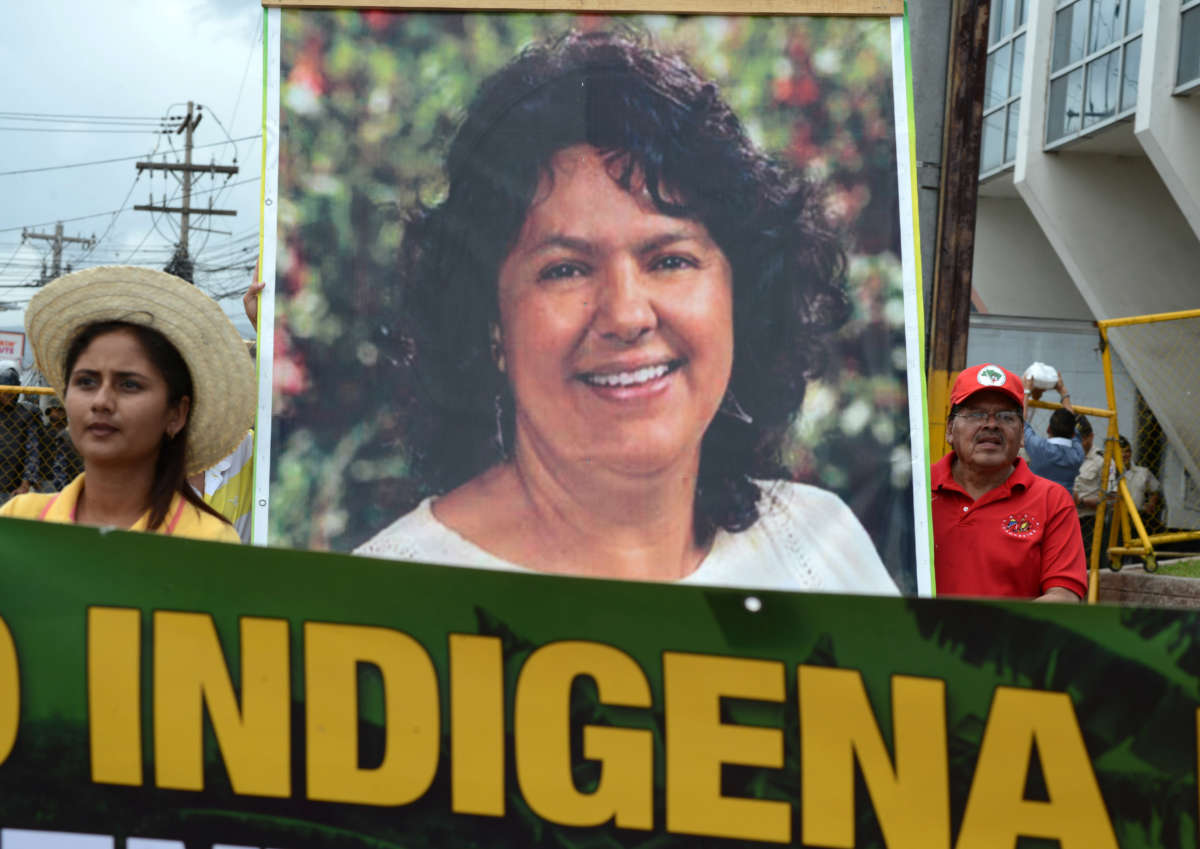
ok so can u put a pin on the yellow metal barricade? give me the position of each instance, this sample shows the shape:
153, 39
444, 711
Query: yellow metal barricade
1168, 348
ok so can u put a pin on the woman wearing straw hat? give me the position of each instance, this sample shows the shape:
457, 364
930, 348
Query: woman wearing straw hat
157, 386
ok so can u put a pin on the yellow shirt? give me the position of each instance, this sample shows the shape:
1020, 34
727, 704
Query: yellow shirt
229, 486
183, 519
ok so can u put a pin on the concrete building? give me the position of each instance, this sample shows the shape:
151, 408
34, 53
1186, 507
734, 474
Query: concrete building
1089, 206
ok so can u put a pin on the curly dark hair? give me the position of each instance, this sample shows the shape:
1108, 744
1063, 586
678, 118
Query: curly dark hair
659, 123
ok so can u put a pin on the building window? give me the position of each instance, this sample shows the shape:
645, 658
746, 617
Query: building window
1002, 85
1094, 65
1188, 76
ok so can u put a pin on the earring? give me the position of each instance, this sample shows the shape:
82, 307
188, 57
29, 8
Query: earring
497, 348
499, 436
731, 408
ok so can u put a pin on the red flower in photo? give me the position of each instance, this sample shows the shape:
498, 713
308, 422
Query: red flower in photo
309, 72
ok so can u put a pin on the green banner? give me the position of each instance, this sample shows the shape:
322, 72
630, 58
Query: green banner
216, 695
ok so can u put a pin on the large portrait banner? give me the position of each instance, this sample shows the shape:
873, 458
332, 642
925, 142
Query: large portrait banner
631, 296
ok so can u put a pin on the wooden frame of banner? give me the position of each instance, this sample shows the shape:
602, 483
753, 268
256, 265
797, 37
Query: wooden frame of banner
693, 7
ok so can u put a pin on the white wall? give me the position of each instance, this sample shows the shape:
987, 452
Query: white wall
1116, 229
1168, 127
1016, 271
1072, 347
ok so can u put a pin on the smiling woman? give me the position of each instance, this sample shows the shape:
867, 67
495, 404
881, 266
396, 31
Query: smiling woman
609, 321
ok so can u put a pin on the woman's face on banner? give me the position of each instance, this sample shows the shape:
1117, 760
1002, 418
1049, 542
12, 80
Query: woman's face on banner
616, 322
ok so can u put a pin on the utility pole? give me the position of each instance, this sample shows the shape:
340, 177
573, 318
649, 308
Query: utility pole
56, 240
181, 264
955, 241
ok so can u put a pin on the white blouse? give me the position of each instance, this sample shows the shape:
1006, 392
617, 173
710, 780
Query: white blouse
805, 539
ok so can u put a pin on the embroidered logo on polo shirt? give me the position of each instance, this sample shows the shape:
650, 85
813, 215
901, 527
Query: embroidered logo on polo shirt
1022, 526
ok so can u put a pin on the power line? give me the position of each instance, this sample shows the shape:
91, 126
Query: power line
140, 122
64, 130
116, 159
111, 211
116, 215
228, 254
220, 188
64, 220
71, 115
11, 258
254, 44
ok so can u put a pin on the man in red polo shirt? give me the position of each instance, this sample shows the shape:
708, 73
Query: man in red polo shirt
999, 529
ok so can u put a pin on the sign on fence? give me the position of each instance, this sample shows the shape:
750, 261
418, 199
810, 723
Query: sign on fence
165, 690
12, 345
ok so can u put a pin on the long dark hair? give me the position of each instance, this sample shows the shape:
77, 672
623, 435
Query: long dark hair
658, 122
170, 470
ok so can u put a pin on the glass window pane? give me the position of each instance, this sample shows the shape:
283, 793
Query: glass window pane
992, 146
996, 85
1137, 11
1000, 21
1102, 78
1018, 64
1189, 46
1022, 8
1106, 17
1010, 137
1066, 103
1070, 32
1129, 79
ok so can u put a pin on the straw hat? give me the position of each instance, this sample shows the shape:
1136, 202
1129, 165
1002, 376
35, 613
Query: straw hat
223, 380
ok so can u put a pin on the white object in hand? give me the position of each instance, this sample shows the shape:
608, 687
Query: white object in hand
1042, 375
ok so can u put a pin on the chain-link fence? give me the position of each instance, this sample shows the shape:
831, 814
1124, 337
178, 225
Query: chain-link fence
1153, 462
36, 453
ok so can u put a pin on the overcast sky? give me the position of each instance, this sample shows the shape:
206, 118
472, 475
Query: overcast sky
125, 64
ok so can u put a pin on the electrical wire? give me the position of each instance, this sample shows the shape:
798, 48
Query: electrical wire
113, 220
226, 265
11, 258
99, 122
142, 242
101, 214
72, 115
57, 220
255, 44
64, 130
117, 159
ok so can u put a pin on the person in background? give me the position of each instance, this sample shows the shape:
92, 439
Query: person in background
60, 461
1144, 488
228, 485
1057, 455
1087, 487
20, 442
999, 529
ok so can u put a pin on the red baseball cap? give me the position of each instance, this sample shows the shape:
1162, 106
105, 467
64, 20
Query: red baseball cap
987, 376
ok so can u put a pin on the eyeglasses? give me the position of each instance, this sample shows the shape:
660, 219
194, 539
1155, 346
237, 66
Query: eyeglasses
1007, 418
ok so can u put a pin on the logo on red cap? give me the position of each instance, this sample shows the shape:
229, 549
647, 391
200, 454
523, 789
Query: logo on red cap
990, 375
